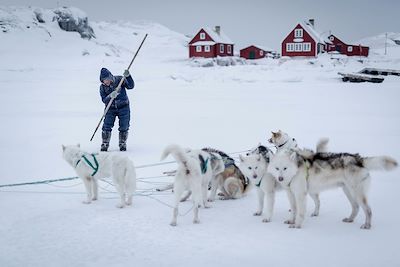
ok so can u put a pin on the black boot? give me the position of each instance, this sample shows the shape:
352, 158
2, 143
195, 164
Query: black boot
106, 140
122, 140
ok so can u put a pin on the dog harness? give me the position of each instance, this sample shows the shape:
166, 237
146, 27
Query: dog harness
203, 164
95, 167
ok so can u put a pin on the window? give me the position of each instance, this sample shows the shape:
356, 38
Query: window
289, 47
207, 48
198, 48
202, 36
261, 53
332, 38
221, 48
298, 47
229, 48
306, 47
298, 33
349, 49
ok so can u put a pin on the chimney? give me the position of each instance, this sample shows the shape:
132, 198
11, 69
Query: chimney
218, 29
311, 21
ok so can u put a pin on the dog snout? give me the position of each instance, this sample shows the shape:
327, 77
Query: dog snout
280, 178
254, 176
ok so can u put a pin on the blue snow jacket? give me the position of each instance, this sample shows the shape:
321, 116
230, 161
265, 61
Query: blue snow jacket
122, 99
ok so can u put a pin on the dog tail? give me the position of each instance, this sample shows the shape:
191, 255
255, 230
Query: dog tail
233, 187
380, 163
177, 152
322, 145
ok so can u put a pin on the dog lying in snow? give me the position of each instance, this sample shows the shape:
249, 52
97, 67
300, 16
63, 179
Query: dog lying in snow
303, 171
91, 167
231, 182
195, 170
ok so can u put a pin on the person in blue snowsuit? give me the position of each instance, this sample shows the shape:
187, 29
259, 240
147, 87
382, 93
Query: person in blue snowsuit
119, 107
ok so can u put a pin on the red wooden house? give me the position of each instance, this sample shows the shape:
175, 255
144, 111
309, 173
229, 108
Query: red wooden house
210, 43
346, 49
255, 52
304, 41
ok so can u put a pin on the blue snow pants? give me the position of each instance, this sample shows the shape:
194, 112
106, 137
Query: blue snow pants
123, 114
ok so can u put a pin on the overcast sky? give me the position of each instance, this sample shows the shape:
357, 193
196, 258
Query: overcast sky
262, 22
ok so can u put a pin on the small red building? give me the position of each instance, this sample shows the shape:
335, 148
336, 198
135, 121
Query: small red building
304, 41
255, 52
346, 49
210, 43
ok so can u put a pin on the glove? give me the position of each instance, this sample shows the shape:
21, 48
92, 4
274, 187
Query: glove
126, 73
113, 94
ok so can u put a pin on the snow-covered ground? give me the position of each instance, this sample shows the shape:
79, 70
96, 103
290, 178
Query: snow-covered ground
49, 82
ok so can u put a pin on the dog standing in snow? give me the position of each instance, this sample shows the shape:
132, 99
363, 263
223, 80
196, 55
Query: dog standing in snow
304, 171
91, 167
254, 167
195, 170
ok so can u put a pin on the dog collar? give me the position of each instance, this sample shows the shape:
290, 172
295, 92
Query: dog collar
281, 145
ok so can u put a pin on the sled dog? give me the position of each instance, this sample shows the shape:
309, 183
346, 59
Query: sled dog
282, 140
304, 171
254, 166
195, 170
231, 182
92, 167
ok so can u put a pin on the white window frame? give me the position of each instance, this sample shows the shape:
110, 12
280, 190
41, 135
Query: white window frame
298, 33
206, 48
306, 47
202, 36
290, 47
350, 49
229, 49
298, 47
261, 53
221, 48
198, 48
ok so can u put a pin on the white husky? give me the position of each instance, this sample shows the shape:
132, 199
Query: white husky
304, 171
195, 170
91, 167
254, 167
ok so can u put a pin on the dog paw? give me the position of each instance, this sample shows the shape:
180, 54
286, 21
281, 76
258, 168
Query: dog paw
86, 202
210, 200
347, 220
129, 203
221, 194
289, 222
207, 206
295, 226
314, 214
366, 226
265, 220
94, 198
257, 213
173, 224
120, 206
196, 221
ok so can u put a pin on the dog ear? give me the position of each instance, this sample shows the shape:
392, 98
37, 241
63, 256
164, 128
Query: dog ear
241, 158
63, 147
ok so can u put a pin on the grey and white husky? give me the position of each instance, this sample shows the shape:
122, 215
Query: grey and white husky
303, 171
231, 183
91, 167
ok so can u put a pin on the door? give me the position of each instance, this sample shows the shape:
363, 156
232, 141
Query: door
252, 54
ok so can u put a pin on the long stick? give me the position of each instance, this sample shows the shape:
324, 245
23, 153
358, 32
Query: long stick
118, 88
